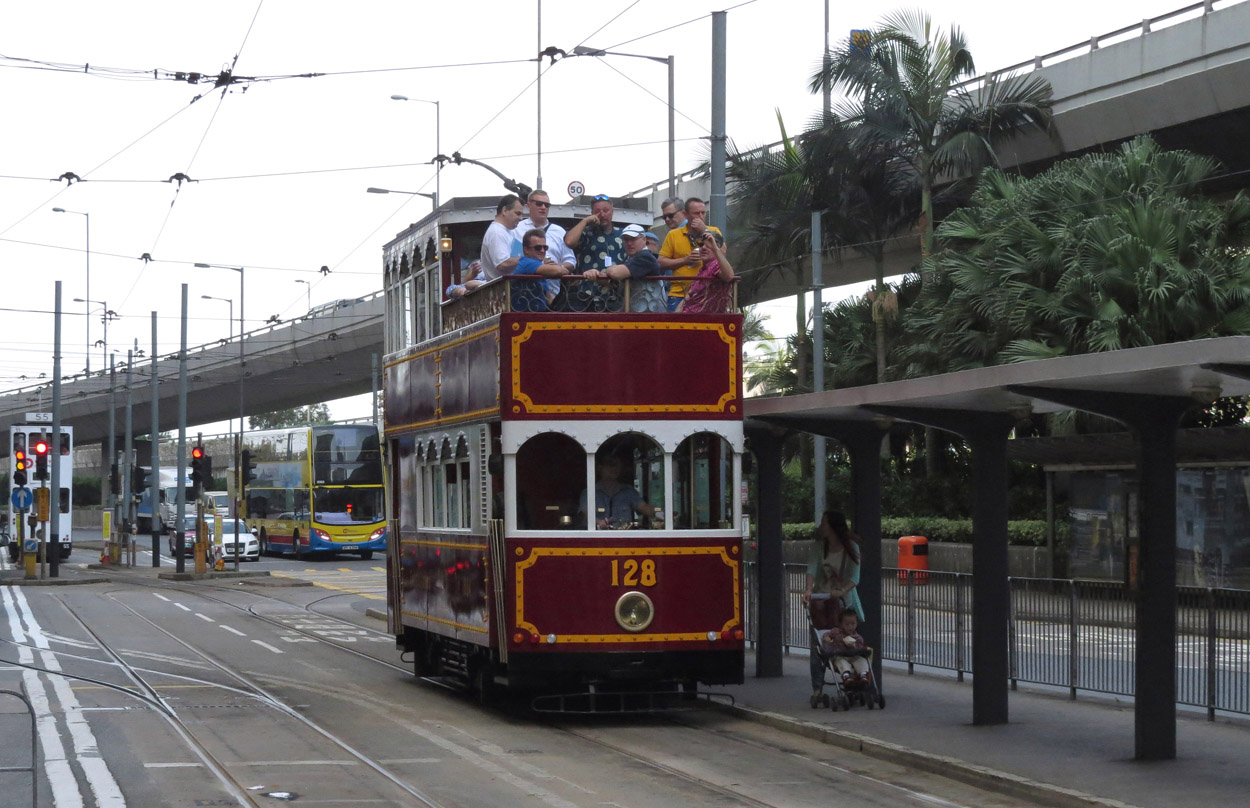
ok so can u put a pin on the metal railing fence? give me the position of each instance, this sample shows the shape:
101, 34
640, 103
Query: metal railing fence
1075, 634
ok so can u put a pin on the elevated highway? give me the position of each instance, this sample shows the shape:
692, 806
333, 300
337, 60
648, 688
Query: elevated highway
311, 359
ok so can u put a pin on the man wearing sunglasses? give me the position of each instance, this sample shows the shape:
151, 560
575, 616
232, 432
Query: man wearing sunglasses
540, 209
595, 240
682, 253
673, 213
536, 260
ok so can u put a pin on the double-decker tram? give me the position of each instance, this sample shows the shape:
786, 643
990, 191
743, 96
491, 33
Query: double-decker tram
316, 489
30, 446
564, 515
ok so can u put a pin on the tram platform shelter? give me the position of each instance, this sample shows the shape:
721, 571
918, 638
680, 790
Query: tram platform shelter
1147, 389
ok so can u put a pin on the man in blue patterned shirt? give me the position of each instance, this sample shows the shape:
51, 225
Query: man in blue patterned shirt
596, 242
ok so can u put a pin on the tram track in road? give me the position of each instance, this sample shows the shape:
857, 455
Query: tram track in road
901, 794
149, 693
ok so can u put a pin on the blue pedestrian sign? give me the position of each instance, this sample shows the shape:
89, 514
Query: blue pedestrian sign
21, 499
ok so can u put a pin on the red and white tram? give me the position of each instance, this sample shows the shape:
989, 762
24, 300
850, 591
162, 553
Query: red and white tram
501, 569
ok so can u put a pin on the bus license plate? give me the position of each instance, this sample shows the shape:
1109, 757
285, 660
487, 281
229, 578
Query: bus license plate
350, 547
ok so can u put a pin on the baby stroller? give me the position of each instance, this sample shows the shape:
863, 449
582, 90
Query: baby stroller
855, 690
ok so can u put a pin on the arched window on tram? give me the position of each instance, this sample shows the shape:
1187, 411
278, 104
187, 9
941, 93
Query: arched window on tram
456, 472
550, 474
703, 483
629, 484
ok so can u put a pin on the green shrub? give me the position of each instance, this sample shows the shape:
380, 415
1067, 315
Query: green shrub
1020, 532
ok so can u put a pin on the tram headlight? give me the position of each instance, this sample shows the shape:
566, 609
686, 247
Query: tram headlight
634, 611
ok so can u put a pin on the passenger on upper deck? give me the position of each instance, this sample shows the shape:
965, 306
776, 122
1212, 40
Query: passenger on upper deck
671, 210
616, 502
497, 258
595, 239
639, 263
653, 241
540, 209
678, 255
710, 292
536, 260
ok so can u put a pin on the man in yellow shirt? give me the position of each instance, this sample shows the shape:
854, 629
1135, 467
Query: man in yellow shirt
680, 253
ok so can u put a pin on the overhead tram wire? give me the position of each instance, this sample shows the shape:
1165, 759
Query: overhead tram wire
675, 27
663, 101
108, 160
606, 24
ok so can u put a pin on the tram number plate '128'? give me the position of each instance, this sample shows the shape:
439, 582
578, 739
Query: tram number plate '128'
633, 572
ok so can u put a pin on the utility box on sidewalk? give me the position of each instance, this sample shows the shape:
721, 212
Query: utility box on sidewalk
913, 560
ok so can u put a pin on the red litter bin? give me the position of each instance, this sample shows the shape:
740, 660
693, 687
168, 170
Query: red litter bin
913, 560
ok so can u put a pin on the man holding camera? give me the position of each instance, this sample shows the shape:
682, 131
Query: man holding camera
682, 252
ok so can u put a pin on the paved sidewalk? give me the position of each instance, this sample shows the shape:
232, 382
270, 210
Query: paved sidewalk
1053, 750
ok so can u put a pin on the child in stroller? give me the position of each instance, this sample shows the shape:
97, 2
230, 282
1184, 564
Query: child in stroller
843, 651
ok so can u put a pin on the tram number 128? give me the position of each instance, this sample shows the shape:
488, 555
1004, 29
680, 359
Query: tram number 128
633, 572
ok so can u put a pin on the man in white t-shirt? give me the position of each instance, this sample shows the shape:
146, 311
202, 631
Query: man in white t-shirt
557, 250
497, 257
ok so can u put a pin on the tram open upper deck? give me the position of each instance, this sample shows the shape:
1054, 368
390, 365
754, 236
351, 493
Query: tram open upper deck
498, 424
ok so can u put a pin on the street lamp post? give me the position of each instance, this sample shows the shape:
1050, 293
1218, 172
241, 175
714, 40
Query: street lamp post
238, 514
432, 197
582, 50
308, 288
106, 317
438, 148
87, 217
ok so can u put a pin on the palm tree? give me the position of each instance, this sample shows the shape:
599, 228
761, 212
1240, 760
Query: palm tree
1100, 252
905, 89
864, 193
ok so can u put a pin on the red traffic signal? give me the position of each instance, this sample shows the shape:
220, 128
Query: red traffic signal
41, 459
197, 452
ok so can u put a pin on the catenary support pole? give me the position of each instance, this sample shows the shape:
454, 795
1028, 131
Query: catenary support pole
154, 437
769, 568
718, 213
128, 462
53, 537
180, 502
110, 460
819, 454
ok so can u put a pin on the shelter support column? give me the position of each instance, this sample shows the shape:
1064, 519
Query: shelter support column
765, 443
1153, 421
986, 434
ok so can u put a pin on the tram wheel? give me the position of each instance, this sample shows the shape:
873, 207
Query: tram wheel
484, 685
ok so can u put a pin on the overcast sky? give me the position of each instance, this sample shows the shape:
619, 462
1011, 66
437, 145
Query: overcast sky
279, 167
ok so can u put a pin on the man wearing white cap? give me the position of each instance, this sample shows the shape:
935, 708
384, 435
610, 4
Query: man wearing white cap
639, 263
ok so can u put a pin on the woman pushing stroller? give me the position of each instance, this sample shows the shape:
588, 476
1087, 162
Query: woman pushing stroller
832, 576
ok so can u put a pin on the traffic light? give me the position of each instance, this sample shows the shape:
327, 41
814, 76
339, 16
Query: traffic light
206, 471
20, 463
115, 480
197, 467
138, 480
249, 467
41, 459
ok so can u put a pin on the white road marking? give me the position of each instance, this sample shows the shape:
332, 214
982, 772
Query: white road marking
69, 642
105, 792
295, 763
268, 646
232, 630
180, 606
171, 765
205, 617
398, 761
190, 663
162, 597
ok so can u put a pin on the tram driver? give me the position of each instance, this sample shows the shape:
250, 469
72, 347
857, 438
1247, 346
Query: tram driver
616, 501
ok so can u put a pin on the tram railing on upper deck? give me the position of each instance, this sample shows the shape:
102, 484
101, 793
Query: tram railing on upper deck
579, 295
